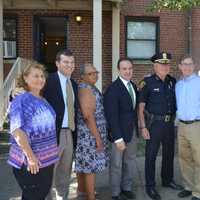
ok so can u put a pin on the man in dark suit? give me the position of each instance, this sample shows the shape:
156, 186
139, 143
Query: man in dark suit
120, 109
61, 93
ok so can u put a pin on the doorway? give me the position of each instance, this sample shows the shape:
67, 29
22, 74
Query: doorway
50, 36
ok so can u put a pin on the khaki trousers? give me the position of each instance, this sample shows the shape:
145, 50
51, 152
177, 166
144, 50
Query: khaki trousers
62, 169
189, 156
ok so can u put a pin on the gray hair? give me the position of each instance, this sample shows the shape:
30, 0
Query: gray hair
84, 66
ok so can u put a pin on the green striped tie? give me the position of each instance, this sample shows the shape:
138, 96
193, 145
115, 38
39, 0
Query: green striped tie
130, 90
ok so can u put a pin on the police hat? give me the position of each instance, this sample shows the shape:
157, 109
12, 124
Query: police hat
163, 58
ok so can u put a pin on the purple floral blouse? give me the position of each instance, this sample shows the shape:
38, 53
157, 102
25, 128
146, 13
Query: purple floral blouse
36, 118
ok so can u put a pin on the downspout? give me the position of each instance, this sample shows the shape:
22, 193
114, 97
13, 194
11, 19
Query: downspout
189, 26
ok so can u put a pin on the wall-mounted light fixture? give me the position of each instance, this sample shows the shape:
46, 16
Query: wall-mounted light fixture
78, 19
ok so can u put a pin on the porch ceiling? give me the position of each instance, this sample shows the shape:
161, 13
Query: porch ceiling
56, 4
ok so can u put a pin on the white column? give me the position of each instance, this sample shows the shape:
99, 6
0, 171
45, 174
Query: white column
115, 39
97, 39
1, 62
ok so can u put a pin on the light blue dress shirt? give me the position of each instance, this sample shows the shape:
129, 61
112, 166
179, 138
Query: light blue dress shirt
188, 98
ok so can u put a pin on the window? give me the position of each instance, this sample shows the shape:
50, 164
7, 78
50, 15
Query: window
141, 37
9, 37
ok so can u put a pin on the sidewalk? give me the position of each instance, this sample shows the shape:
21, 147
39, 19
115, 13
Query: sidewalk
9, 190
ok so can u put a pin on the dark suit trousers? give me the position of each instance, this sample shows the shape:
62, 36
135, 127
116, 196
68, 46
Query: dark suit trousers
160, 132
34, 187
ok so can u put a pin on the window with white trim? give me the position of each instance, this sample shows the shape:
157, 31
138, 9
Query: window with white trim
142, 39
9, 37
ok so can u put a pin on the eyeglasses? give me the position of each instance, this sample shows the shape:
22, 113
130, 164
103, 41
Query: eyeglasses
187, 64
92, 73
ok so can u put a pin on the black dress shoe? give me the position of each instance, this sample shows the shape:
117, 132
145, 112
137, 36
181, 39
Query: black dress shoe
153, 194
128, 194
173, 186
116, 198
195, 198
184, 193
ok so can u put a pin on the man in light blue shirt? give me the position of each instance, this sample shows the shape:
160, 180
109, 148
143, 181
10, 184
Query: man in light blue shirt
188, 113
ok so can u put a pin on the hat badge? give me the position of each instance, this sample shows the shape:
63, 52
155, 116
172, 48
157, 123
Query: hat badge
164, 56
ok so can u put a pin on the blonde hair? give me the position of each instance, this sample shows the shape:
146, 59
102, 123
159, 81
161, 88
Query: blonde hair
32, 65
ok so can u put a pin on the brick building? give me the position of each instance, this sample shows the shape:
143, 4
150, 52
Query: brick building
108, 29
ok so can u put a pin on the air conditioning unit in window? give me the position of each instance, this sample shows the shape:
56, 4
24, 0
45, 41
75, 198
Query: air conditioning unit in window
9, 49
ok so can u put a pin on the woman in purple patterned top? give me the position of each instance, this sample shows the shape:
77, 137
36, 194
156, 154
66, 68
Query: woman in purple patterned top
33, 150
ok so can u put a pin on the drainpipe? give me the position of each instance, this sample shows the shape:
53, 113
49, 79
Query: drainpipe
189, 26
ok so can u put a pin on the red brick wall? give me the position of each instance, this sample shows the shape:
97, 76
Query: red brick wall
6, 69
79, 37
196, 36
173, 35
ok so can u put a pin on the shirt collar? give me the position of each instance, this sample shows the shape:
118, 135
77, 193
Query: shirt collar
125, 82
159, 79
62, 76
189, 77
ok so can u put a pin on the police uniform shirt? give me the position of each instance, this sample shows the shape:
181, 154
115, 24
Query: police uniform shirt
158, 95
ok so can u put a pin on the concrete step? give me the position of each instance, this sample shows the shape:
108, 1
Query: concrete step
4, 142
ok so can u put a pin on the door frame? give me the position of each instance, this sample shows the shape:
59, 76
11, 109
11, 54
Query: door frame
36, 20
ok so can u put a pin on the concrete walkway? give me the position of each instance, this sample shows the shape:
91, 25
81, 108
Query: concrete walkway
9, 189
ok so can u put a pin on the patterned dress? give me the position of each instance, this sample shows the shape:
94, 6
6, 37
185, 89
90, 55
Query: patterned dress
87, 159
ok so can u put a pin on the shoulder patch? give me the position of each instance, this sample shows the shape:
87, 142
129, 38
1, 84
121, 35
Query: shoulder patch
142, 84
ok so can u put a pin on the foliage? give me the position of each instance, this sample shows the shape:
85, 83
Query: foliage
158, 5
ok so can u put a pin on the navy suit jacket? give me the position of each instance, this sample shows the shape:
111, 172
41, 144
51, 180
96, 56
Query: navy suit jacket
53, 94
120, 115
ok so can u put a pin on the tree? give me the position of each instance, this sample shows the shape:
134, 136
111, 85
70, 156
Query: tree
180, 5
173, 4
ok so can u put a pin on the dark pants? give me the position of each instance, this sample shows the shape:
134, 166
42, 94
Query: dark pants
34, 187
164, 133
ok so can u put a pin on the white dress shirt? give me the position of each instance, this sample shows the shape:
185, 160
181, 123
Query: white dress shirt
63, 81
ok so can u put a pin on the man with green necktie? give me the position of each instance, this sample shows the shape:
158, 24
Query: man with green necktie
121, 113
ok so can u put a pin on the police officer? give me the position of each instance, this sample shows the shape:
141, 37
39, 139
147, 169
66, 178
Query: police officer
157, 100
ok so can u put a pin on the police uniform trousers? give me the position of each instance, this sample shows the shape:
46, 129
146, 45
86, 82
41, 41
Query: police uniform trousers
121, 167
161, 132
189, 156
34, 186
62, 169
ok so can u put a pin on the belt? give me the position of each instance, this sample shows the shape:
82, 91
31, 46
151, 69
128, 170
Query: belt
65, 128
165, 118
189, 121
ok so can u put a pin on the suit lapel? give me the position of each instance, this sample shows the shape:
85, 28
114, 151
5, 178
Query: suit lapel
58, 87
125, 91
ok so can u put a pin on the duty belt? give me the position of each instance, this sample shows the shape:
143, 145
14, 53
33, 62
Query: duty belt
165, 118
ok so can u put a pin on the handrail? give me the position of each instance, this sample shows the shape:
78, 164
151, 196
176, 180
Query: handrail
10, 82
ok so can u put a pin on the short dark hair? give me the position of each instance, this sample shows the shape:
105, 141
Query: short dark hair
123, 59
185, 57
65, 52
